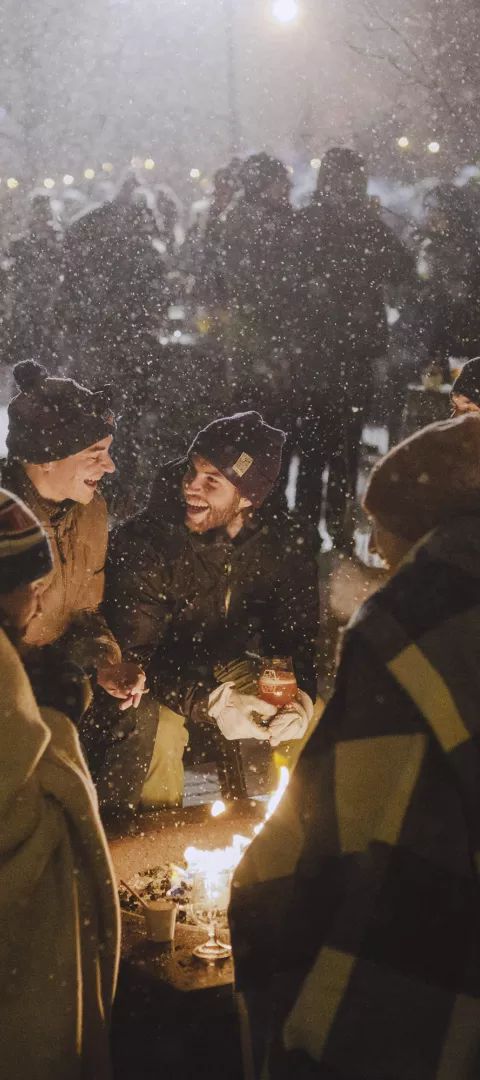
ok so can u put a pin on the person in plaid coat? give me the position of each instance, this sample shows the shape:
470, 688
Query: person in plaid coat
355, 914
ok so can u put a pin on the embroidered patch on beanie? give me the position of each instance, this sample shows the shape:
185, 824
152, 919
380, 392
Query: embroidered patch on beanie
243, 464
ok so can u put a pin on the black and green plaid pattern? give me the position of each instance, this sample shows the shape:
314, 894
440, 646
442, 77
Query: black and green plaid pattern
356, 912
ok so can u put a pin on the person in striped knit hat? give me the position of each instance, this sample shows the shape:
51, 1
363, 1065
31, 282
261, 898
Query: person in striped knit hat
58, 906
25, 558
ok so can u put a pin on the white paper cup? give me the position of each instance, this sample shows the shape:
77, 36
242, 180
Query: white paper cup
160, 917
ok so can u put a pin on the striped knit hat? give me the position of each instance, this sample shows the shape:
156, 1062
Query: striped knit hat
25, 552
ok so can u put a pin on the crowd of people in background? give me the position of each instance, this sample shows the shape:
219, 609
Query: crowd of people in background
290, 308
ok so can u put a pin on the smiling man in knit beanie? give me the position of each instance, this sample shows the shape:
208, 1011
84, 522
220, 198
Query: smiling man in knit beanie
208, 575
59, 439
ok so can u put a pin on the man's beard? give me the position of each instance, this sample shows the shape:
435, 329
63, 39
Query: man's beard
214, 518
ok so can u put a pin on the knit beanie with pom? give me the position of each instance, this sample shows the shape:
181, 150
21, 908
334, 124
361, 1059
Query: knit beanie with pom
51, 418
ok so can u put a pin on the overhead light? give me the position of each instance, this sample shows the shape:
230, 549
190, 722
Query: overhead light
12, 183
49, 183
107, 166
89, 174
285, 11
195, 174
68, 179
403, 142
149, 163
434, 147
315, 162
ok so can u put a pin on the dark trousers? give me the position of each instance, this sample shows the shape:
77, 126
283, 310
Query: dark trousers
118, 747
328, 434
328, 439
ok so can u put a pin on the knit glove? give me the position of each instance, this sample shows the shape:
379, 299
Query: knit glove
235, 713
291, 722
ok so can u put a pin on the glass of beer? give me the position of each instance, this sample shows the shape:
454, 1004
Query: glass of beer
277, 683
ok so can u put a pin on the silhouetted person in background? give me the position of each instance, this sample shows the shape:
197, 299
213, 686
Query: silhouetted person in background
348, 256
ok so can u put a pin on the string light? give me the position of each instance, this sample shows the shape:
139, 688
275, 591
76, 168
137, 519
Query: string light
68, 179
89, 174
434, 147
149, 163
195, 174
49, 183
403, 142
12, 183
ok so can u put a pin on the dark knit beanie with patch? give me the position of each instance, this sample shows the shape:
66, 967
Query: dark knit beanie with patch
52, 418
25, 554
246, 450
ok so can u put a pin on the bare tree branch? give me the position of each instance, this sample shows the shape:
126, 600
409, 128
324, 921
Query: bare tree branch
422, 76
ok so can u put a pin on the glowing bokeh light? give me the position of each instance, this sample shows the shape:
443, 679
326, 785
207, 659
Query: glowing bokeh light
68, 179
12, 183
149, 163
107, 166
285, 11
49, 183
315, 162
195, 174
89, 174
434, 147
403, 142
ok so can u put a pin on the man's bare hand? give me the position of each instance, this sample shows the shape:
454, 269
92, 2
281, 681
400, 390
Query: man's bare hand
125, 681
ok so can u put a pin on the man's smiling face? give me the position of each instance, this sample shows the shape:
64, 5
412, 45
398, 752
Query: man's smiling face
211, 500
75, 477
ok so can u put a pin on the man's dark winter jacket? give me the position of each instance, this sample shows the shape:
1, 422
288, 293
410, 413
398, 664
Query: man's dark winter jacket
185, 603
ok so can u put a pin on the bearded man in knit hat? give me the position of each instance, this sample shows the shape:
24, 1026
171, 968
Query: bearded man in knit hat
204, 578
59, 439
59, 924
355, 914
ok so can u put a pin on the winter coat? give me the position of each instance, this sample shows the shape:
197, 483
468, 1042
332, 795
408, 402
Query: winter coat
348, 257
355, 914
59, 925
185, 603
449, 304
73, 591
